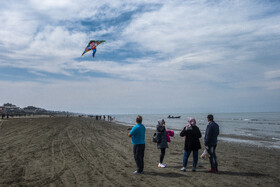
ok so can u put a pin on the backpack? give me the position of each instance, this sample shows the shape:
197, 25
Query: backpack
157, 137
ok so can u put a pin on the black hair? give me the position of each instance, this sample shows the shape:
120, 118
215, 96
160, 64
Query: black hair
210, 117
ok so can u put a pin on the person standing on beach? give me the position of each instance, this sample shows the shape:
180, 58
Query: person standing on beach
162, 145
137, 135
210, 142
192, 144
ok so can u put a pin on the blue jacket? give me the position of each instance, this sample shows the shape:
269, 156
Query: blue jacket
211, 134
138, 134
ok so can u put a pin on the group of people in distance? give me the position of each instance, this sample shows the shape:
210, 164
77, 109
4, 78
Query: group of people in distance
192, 144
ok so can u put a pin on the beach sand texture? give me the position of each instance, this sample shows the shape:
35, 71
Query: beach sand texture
60, 151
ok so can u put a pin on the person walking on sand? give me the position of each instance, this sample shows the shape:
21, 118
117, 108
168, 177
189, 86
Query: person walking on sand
192, 144
210, 142
162, 145
137, 135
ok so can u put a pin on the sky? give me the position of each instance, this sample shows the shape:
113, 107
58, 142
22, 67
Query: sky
159, 56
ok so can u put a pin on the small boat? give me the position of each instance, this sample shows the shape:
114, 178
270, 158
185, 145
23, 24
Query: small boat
174, 117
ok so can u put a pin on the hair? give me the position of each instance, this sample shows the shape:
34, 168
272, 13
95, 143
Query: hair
210, 117
139, 119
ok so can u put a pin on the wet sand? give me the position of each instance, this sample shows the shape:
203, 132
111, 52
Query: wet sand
60, 151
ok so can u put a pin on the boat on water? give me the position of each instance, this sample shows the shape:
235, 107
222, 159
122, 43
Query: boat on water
174, 117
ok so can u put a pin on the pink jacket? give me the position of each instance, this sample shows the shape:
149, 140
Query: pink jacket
168, 134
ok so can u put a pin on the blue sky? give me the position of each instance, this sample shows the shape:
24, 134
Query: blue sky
159, 57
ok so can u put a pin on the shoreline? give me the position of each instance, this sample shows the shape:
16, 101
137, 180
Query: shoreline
75, 151
238, 139
244, 140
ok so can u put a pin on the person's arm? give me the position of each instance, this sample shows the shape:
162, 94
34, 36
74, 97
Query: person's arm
199, 133
183, 132
207, 135
131, 132
160, 128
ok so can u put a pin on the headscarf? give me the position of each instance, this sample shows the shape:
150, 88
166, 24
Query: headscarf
160, 122
191, 123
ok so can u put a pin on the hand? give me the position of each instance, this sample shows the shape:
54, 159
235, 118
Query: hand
129, 128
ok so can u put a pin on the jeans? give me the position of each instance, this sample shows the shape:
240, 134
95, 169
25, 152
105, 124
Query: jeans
162, 155
213, 159
138, 151
186, 156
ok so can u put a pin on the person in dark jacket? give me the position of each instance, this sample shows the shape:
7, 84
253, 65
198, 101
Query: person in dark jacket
210, 141
192, 144
163, 143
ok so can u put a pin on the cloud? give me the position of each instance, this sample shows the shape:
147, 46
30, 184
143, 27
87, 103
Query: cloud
188, 26
178, 52
273, 79
275, 74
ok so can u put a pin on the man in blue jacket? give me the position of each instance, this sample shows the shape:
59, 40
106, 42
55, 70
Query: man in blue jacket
137, 135
210, 142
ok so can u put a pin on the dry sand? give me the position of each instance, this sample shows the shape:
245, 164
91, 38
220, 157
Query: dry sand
75, 151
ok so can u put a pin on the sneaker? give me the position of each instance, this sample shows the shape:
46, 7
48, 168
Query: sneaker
193, 169
136, 172
183, 169
161, 165
212, 170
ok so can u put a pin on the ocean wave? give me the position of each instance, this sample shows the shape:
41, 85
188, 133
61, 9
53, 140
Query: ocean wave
264, 123
266, 144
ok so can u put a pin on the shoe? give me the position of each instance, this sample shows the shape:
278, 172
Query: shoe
193, 169
212, 170
136, 172
161, 165
183, 169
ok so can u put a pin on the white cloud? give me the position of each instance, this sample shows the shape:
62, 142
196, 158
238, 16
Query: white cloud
182, 28
272, 74
273, 79
99, 95
191, 50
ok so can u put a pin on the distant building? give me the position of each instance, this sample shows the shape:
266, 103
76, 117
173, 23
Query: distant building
9, 108
13, 110
30, 109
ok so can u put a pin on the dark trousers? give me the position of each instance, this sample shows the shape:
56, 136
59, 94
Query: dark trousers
162, 150
213, 159
138, 151
186, 157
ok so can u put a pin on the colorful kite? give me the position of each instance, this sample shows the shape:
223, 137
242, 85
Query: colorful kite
92, 46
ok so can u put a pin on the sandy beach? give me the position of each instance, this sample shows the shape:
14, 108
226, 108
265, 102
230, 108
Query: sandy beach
60, 151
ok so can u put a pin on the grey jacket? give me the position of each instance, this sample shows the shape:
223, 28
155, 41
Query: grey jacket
162, 131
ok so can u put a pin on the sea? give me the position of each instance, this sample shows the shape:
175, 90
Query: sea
257, 129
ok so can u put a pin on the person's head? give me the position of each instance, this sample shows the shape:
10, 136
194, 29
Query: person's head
210, 117
139, 119
161, 122
192, 121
